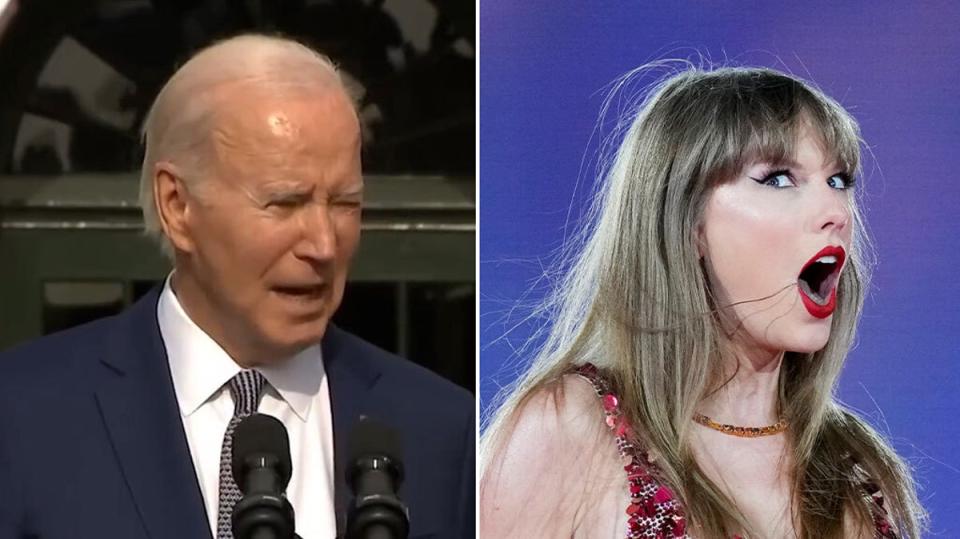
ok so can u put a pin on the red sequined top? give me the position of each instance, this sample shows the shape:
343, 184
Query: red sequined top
654, 512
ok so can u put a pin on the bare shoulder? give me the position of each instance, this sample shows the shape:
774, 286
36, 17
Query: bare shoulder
549, 458
568, 404
556, 419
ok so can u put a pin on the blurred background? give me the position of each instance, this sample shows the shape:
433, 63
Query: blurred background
77, 78
545, 68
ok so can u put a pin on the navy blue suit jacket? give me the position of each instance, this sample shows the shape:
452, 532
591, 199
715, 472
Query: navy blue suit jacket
92, 445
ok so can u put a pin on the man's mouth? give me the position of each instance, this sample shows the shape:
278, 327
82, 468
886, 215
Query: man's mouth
301, 291
818, 281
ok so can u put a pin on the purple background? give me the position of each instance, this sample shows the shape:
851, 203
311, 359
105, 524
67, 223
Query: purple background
543, 70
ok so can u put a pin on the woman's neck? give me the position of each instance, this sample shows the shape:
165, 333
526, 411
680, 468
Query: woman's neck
750, 396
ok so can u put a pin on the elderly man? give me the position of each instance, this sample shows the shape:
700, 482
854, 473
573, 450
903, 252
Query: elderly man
122, 427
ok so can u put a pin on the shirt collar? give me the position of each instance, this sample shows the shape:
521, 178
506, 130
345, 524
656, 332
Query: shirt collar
297, 379
200, 367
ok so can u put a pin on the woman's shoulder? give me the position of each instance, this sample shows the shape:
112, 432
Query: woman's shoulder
605, 396
551, 460
564, 413
568, 446
582, 403
653, 507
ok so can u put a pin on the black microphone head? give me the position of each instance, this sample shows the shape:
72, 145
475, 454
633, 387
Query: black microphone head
373, 444
260, 434
374, 474
372, 438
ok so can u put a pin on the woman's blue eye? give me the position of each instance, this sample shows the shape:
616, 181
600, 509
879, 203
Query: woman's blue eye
778, 179
840, 181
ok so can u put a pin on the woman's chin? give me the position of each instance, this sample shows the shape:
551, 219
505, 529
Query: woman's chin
808, 346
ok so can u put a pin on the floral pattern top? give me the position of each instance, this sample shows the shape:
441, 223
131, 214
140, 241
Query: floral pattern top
654, 512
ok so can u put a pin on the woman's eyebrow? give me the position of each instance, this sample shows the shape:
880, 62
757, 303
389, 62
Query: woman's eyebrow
789, 163
779, 162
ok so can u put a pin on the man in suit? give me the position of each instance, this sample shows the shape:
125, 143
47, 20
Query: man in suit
120, 428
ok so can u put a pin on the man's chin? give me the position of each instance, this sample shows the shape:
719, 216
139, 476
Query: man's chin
302, 306
291, 340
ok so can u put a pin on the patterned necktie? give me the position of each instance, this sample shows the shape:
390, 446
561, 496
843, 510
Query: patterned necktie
245, 388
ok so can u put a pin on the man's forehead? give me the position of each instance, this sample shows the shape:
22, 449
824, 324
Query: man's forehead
280, 125
269, 185
262, 106
256, 124
271, 144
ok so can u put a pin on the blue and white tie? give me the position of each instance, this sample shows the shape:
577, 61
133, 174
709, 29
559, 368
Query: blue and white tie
246, 388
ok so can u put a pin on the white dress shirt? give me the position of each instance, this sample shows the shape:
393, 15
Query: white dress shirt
296, 393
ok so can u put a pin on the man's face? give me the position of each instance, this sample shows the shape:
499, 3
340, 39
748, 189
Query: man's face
761, 234
274, 228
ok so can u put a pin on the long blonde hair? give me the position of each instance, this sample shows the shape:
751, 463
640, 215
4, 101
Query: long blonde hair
634, 300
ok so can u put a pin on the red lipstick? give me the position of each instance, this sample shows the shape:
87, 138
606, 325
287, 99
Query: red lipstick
818, 279
815, 309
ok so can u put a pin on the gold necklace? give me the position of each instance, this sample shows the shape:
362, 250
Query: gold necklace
742, 432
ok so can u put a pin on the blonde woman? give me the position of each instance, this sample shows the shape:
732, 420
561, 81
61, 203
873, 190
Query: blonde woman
686, 385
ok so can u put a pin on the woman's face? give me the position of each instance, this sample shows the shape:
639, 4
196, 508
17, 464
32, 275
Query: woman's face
774, 241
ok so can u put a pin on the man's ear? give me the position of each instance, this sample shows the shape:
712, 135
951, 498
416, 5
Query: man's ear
173, 207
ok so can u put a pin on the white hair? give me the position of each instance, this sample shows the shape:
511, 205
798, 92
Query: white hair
177, 127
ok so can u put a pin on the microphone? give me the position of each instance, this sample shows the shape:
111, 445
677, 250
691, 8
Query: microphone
262, 468
374, 475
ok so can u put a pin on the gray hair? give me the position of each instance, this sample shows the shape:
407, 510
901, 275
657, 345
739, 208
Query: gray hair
177, 127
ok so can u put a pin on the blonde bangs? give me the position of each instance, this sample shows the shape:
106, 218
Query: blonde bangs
758, 115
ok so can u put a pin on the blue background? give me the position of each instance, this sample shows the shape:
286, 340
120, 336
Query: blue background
544, 68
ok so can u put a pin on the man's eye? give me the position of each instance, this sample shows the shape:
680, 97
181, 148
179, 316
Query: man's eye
286, 202
348, 203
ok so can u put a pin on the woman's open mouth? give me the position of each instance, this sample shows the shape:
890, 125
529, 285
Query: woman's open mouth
817, 281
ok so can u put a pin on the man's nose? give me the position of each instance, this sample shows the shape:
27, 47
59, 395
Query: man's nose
318, 234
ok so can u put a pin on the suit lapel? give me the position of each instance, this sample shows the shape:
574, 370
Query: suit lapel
139, 409
351, 381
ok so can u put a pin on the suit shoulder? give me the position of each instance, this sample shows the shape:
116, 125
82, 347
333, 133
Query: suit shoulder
414, 379
54, 354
